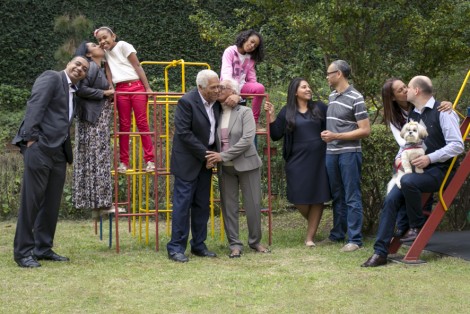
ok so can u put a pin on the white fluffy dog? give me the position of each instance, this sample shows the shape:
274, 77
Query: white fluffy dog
414, 134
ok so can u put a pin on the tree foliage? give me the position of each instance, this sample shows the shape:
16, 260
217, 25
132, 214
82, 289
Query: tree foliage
378, 38
76, 29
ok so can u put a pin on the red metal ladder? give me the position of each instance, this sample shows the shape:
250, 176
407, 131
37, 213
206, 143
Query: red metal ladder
446, 197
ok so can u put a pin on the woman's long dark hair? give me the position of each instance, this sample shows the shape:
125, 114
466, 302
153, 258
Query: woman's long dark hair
258, 54
291, 107
82, 50
392, 110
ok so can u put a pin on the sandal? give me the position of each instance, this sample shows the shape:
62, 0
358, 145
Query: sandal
261, 249
235, 253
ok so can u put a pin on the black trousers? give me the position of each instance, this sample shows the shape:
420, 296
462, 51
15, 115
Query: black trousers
41, 193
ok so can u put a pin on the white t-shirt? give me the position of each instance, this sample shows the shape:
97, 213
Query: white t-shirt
121, 69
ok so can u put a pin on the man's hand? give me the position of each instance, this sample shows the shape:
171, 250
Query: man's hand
328, 136
213, 157
30, 143
421, 162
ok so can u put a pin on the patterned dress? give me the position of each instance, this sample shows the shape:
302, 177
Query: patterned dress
92, 186
92, 183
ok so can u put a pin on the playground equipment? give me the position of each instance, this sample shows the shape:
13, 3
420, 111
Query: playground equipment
142, 202
447, 194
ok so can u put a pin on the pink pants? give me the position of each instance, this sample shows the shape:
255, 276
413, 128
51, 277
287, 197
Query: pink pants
254, 88
125, 105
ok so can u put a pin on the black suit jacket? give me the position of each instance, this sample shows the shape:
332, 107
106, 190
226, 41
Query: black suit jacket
191, 139
47, 115
90, 100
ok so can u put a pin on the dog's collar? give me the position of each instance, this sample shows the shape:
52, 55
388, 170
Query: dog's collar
413, 145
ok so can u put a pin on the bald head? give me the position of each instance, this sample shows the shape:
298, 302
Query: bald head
422, 82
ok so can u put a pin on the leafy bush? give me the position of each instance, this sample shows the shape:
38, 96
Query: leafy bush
12, 106
379, 151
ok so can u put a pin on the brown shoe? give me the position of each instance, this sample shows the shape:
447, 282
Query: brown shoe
411, 235
374, 261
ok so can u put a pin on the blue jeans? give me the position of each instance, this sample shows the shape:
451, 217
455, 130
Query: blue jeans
409, 197
344, 173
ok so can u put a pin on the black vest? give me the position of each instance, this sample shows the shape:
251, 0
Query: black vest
435, 139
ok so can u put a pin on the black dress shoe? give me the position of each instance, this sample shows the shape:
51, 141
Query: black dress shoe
204, 253
27, 262
178, 257
374, 261
399, 233
52, 256
411, 235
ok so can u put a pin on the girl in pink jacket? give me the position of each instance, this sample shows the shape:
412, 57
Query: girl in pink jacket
238, 63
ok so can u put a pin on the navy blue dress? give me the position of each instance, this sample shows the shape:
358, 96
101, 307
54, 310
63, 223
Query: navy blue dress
304, 152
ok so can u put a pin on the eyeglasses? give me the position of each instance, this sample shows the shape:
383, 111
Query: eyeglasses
332, 72
222, 87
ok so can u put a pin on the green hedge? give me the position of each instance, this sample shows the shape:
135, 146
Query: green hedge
159, 30
12, 103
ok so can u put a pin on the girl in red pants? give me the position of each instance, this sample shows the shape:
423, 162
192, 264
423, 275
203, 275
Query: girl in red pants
127, 74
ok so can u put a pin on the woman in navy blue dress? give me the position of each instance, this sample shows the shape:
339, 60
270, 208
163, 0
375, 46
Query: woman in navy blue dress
300, 123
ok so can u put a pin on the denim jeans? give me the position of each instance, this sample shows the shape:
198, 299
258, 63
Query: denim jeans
344, 173
409, 197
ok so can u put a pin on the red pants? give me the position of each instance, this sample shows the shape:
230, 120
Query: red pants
254, 88
125, 105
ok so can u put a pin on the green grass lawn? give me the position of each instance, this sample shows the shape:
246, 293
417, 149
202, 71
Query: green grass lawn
292, 279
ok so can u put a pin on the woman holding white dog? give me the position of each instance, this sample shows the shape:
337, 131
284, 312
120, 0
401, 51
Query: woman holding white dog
396, 110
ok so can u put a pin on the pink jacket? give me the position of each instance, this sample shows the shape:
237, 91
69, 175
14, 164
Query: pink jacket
231, 67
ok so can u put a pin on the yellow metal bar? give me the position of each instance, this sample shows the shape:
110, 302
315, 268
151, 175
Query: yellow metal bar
464, 137
457, 99
211, 206
147, 198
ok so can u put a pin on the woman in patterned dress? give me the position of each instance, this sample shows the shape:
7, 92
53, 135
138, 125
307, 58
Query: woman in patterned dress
92, 186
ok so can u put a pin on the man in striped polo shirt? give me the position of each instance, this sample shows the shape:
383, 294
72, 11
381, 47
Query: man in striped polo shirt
347, 122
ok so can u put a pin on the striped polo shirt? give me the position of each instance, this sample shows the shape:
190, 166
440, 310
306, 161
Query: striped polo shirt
344, 110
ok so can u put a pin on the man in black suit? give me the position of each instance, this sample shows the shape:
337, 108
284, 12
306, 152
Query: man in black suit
44, 141
196, 118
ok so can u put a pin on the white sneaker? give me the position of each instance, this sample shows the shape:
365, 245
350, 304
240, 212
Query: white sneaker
150, 166
350, 247
122, 168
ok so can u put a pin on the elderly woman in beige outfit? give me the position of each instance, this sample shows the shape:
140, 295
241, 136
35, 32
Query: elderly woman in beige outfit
239, 168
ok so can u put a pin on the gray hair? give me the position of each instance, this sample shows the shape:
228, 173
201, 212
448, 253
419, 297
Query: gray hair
203, 77
343, 67
233, 84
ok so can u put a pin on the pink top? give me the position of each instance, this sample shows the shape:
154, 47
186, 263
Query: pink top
224, 139
233, 68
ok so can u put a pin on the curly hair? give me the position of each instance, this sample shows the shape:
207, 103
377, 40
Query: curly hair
258, 54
